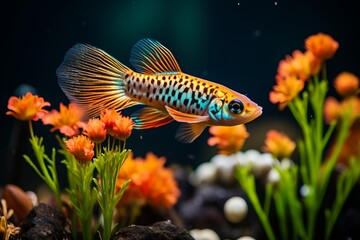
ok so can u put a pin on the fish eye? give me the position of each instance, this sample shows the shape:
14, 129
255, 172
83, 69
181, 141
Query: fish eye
236, 106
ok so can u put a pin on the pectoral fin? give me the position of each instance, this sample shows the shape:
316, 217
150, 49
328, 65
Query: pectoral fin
148, 117
187, 133
186, 117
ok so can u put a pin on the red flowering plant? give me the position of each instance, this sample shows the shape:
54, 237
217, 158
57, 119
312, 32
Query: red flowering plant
85, 157
302, 86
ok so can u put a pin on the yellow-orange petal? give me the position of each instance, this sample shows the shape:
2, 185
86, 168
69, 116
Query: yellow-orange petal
285, 90
332, 109
81, 147
95, 130
322, 45
28, 107
300, 65
228, 139
108, 117
147, 182
351, 105
122, 128
278, 144
346, 84
68, 120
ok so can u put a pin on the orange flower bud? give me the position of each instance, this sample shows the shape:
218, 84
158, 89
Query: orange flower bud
332, 109
285, 90
322, 46
346, 84
108, 117
81, 147
300, 65
95, 130
122, 128
228, 140
278, 144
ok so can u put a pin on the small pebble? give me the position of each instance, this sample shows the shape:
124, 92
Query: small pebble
235, 209
204, 234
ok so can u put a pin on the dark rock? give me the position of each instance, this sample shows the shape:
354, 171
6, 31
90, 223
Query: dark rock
158, 231
44, 222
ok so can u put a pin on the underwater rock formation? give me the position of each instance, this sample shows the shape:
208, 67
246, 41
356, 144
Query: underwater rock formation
158, 231
44, 222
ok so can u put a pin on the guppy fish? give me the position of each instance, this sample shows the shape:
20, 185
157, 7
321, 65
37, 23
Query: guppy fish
95, 80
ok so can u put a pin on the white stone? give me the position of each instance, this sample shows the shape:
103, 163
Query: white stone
204, 234
246, 238
205, 173
235, 209
262, 164
273, 176
225, 167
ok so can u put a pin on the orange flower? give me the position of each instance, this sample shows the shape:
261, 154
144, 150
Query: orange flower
322, 46
81, 147
28, 107
285, 90
108, 117
301, 65
278, 144
346, 84
332, 109
351, 104
67, 121
122, 128
95, 130
349, 149
151, 183
228, 140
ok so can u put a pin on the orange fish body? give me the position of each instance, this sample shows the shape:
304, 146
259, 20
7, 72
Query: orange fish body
96, 81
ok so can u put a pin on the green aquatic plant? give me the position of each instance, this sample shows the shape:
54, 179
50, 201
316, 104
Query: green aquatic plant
302, 85
30, 108
108, 165
91, 168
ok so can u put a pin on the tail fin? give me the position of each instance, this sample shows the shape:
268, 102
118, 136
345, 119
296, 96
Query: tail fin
93, 79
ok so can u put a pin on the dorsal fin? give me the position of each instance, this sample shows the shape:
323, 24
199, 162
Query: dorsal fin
150, 57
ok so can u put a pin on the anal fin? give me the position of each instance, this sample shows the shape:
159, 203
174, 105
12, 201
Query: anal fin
148, 117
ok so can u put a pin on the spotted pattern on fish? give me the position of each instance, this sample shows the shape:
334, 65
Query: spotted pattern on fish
178, 91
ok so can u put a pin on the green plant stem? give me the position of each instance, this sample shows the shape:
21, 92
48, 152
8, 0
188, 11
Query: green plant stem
247, 182
281, 214
72, 165
82, 196
340, 140
108, 166
312, 146
46, 168
344, 185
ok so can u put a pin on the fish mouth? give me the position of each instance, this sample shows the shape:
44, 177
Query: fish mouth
257, 112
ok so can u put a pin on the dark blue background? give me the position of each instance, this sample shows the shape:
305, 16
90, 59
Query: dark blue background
235, 43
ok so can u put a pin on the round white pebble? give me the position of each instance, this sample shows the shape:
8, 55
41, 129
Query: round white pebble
246, 238
235, 209
204, 234
206, 173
